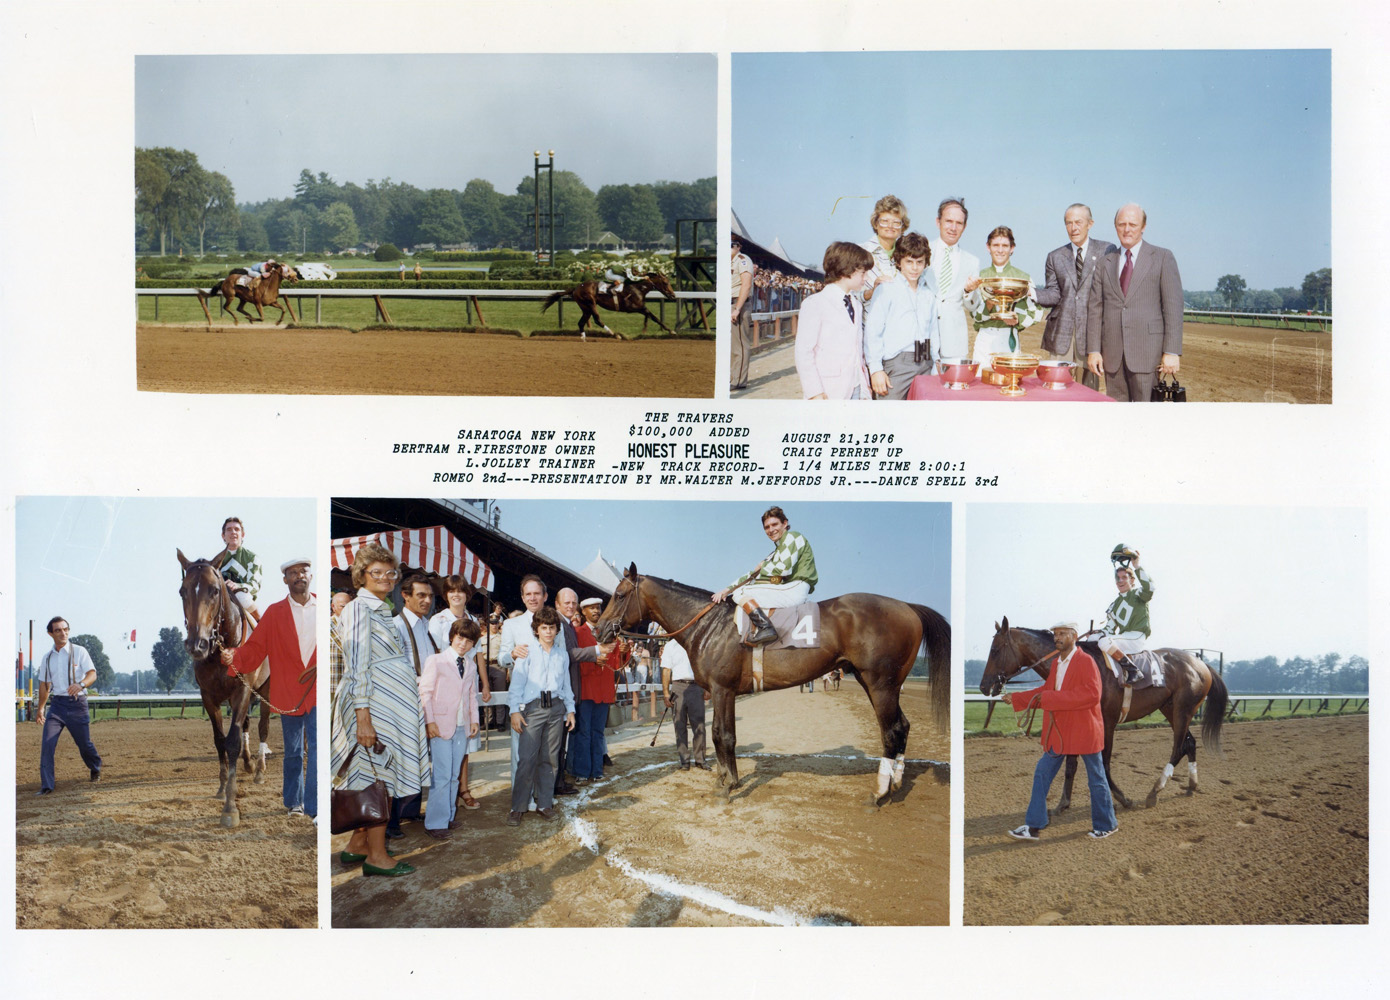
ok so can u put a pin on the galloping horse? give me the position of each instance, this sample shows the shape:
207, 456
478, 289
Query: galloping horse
632, 299
214, 621
875, 637
1186, 682
262, 293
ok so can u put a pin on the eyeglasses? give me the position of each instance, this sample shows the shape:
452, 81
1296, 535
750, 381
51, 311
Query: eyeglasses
887, 224
389, 574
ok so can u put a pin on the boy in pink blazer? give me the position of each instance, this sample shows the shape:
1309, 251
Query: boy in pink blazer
830, 329
449, 701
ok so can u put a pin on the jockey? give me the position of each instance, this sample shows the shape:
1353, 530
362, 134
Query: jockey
239, 567
616, 280
1127, 619
261, 269
783, 580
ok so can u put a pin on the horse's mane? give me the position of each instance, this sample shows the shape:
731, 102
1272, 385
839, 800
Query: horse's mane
695, 593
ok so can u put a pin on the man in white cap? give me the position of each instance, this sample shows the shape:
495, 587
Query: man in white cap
286, 635
1072, 724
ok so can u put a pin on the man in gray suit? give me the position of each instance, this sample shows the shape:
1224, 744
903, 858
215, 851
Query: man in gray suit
1070, 269
1134, 314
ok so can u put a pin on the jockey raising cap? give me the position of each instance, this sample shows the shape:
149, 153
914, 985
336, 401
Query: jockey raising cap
784, 579
1127, 628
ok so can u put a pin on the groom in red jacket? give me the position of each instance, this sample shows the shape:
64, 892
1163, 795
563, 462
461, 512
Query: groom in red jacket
1070, 700
287, 634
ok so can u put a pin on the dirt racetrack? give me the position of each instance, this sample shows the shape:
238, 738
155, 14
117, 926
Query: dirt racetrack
414, 363
652, 845
1277, 833
1220, 364
143, 847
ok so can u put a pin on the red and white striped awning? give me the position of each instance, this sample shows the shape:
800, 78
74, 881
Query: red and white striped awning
434, 549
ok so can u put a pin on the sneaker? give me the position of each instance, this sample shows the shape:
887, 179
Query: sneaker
1101, 834
296, 811
1027, 832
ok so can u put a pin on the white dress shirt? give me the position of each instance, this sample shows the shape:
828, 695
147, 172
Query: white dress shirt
675, 659
305, 626
1062, 663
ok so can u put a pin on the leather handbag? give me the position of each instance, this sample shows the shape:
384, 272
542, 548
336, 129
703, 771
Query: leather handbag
1164, 391
370, 806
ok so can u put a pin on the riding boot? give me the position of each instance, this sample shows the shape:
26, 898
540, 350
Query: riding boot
1132, 675
763, 632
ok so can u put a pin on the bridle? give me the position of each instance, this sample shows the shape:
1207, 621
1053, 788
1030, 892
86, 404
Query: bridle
643, 636
1021, 667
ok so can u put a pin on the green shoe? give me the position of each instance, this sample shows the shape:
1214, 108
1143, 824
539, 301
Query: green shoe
399, 868
354, 859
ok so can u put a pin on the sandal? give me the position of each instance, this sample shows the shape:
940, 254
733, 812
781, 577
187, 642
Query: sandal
468, 801
399, 868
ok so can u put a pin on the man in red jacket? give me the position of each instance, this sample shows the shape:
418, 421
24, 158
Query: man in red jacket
286, 634
1070, 700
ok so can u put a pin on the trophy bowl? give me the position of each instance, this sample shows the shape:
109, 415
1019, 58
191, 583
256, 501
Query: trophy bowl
958, 373
1055, 375
1001, 293
1014, 367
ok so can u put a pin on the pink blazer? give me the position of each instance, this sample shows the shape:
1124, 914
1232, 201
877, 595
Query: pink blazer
442, 690
829, 347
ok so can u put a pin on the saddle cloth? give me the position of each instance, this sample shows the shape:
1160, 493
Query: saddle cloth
244, 280
1150, 669
604, 287
797, 628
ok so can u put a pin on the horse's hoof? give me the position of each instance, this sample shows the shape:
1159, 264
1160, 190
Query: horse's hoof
1151, 801
259, 778
1062, 807
230, 819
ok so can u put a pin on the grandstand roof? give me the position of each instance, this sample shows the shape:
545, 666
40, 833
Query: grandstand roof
770, 256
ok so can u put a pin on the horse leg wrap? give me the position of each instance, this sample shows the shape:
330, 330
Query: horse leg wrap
885, 775
265, 751
899, 766
1192, 772
1167, 773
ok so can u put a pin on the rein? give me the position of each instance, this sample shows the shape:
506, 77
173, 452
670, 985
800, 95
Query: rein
643, 636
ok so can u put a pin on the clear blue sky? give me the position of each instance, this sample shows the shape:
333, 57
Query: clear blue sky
109, 565
901, 550
1229, 152
434, 121
1250, 581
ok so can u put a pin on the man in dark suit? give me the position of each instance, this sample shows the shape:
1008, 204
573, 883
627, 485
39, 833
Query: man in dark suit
1134, 315
1070, 269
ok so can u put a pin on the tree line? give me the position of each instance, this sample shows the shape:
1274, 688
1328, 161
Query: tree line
181, 207
1315, 295
1330, 673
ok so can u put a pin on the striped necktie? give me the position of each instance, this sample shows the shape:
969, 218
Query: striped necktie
946, 274
849, 308
1078, 266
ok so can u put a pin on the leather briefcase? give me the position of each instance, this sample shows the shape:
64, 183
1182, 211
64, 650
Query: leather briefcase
370, 806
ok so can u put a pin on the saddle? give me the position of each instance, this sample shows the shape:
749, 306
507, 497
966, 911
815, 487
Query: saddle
797, 628
1150, 675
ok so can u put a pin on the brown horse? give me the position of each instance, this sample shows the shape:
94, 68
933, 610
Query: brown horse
215, 621
875, 637
632, 299
261, 292
1186, 682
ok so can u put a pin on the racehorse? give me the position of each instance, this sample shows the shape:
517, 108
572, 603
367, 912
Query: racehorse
214, 621
262, 293
875, 637
1186, 682
632, 299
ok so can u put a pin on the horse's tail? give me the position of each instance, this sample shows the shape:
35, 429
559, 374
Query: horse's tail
1214, 714
936, 634
553, 298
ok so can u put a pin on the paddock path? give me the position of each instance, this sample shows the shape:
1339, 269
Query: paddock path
1221, 364
655, 846
143, 847
1277, 834
415, 363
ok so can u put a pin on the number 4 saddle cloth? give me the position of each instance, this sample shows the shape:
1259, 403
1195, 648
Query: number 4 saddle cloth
1150, 669
797, 628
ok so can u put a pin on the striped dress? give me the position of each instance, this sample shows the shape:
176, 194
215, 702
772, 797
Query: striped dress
378, 676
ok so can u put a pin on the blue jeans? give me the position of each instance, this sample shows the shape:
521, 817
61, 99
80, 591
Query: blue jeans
62, 713
587, 742
446, 756
1102, 807
301, 743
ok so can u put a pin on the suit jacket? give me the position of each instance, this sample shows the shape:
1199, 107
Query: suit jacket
829, 346
1071, 715
443, 691
951, 306
1138, 328
276, 639
1066, 323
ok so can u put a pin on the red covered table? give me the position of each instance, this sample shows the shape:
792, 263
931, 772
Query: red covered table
931, 387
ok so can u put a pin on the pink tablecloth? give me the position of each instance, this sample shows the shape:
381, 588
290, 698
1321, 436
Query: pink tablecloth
930, 387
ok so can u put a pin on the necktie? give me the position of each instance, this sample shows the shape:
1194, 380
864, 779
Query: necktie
945, 283
849, 308
460, 661
1127, 272
1078, 266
